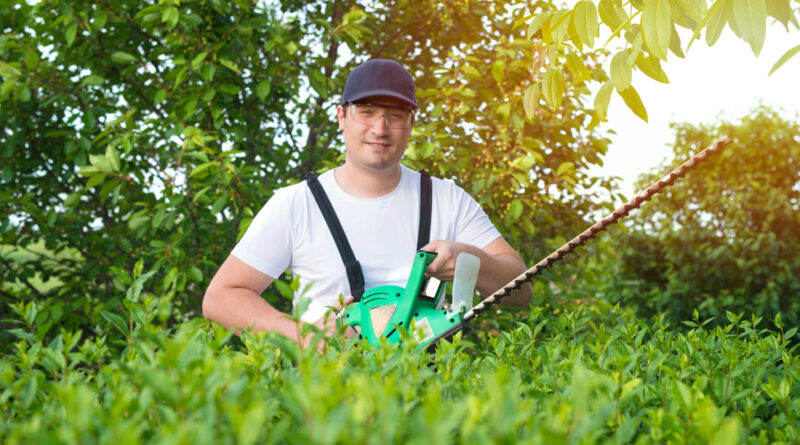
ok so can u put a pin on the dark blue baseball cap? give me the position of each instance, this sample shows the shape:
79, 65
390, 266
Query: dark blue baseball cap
379, 77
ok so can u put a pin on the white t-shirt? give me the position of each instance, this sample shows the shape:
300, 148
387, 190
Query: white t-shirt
290, 233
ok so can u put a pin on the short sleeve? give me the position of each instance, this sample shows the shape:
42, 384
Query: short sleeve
473, 225
267, 243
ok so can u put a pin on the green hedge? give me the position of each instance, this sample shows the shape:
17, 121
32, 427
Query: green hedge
582, 374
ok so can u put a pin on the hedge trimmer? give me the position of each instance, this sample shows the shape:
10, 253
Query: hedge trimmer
386, 311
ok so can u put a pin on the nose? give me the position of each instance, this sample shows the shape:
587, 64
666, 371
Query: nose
381, 125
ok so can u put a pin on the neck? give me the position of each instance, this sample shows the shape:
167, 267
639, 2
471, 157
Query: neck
366, 183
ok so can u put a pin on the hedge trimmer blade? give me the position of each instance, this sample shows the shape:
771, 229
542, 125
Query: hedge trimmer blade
581, 239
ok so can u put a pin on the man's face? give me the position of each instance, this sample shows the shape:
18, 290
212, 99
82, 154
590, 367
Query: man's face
375, 147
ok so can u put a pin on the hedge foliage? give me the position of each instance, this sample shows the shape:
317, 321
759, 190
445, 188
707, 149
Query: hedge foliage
568, 374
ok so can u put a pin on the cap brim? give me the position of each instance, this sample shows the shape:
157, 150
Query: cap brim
373, 93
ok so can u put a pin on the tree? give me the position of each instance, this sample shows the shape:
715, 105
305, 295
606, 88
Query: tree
647, 32
144, 136
726, 236
154, 132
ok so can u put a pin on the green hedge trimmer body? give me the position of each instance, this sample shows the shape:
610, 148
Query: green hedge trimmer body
418, 308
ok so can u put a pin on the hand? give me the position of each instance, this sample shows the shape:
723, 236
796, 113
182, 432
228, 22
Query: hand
327, 323
443, 267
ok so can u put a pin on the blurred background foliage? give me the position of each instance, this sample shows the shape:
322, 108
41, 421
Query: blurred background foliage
151, 133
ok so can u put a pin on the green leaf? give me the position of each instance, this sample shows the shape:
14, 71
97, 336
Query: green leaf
121, 57
198, 59
657, 27
602, 99
530, 100
514, 210
230, 65
161, 94
170, 16
621, 71
634, 102
195, 274
751, 18
263, 89
553, 86
785, 58
70, 33
31, 60
651, 66
584, 19
116, 321
93, 80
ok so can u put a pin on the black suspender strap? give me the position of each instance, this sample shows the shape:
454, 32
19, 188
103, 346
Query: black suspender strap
425, 203
354, 274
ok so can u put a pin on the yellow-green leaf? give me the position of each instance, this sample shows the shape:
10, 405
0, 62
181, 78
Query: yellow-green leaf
537, 23
471, 71
612, 13
716, 22
602, 98
634, 102
498, 71
675, 43
751, 17
657, 27
784, 58
575, 64
781, 10
530, 100
553, 86
626, 388
564, 168
584, 18
621, 71
651, 66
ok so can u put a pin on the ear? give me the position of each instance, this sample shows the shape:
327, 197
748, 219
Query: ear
340, 116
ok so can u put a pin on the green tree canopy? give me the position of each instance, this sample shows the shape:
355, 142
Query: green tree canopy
725, 237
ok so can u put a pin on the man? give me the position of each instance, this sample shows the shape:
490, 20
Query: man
377, 201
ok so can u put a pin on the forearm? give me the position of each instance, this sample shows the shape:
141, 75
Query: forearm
242, 308
498, 270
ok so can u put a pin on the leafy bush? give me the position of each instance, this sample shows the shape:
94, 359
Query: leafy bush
723, 238
589, 373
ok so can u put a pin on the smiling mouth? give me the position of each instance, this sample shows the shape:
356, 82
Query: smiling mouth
377, 144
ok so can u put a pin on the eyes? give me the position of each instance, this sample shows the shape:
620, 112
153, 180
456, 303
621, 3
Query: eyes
370, 111
368, 114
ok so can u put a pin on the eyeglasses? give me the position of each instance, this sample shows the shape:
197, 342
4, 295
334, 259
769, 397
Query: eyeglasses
368, 114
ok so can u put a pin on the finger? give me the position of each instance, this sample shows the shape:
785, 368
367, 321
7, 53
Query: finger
434, 246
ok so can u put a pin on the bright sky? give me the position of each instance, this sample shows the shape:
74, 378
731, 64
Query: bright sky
721, 82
